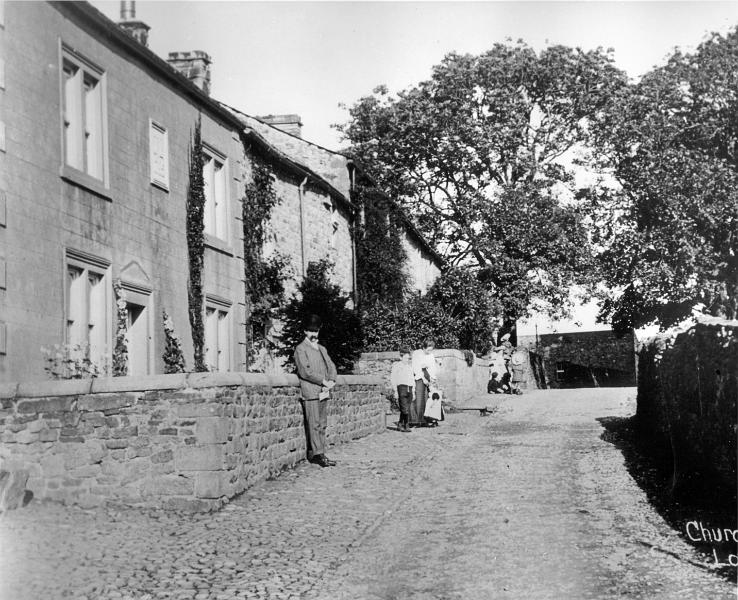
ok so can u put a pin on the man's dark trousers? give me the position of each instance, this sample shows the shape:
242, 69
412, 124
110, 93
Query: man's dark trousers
316, 423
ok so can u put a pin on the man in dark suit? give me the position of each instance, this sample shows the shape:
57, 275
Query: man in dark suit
317, 375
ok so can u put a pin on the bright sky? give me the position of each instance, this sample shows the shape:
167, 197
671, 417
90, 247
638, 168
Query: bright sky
307, 57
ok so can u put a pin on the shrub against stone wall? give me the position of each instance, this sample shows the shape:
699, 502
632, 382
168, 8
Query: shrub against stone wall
687, 394
180, 441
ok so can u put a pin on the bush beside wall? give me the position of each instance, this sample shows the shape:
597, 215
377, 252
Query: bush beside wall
179, 441
687, 394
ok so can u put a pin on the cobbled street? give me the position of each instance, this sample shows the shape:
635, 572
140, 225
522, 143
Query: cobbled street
528, 503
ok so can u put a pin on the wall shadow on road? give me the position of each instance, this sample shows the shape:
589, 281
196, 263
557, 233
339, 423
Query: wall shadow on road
709, 503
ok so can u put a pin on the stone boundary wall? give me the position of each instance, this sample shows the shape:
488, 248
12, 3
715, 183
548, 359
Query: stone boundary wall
687, 394
459, 382
182, 441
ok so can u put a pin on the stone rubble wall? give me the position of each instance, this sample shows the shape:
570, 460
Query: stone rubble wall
458, 381
687, 394
180, 441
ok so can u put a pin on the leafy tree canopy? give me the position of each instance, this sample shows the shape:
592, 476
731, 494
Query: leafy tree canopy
668, 229
470, 304
478, 154
457, 312
407, 325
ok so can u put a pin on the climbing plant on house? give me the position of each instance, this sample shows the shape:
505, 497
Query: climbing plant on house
196, 246
264, 277
174, 361
380, 255
120, 351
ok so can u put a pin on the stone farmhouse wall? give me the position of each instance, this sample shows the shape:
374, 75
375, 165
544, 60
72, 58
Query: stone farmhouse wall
330, 165
422, 268
458, 381
334, 167
327, 230
687, 394
186, 442
125, 226
64, 231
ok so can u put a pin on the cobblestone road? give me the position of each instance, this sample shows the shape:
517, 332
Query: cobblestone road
528, 503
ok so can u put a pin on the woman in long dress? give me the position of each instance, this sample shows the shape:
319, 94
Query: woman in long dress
425, 371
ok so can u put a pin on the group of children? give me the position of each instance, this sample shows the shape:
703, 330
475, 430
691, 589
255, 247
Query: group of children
414, 384
413, 381
504, 359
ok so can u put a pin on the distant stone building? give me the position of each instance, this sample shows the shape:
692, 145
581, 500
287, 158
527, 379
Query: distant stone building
582, 359
95, 136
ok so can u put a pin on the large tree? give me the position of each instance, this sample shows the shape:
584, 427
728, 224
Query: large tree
482, 156
668, 223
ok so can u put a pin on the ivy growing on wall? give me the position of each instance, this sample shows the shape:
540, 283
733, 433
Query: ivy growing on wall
174, 361
380, 255
120, 351
196, 246
264, 277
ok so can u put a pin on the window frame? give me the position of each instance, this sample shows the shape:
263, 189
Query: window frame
155, 181
68, 172
560, 370
220, 305
211, 154
100, 266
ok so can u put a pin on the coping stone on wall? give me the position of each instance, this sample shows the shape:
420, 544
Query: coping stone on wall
256, 379
8, 390
448, 352
283, 380
57, 387
208, 380
171, 381
360, 380
388, 355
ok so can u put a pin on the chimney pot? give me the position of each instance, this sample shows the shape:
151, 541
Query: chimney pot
291, 124
128, 23
195, 65
127, 10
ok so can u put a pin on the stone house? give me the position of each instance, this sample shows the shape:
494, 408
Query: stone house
93, 180
314, 218
95, 136
340, 173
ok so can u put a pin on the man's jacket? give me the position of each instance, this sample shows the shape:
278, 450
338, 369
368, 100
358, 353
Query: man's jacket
313, 367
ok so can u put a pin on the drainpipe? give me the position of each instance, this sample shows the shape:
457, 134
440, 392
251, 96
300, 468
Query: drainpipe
355, 214
353, 261
301, 194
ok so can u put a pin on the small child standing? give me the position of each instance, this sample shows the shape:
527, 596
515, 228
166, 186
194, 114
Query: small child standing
403, 383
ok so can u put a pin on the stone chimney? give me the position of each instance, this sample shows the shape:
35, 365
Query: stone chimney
194, 65
287, 123
138, 30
